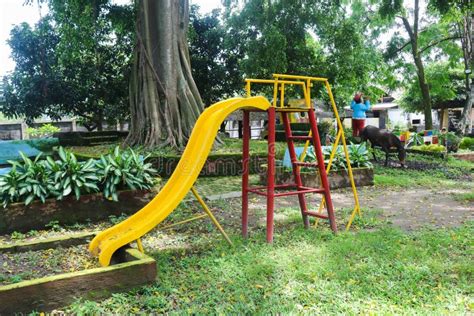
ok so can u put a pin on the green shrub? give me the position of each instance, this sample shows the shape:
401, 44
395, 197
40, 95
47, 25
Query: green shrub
35, 179
431, 147
10, 187
70, 175
415, 139
28, 180
467, 143
120, 170
399, 128
45, 130
39, 179
324, 127
347, 132
450, 140
358, 155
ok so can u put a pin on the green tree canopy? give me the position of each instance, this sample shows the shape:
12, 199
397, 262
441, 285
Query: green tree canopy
446, 84
426, 38
75, 61
215, 65
37, 86
324, 38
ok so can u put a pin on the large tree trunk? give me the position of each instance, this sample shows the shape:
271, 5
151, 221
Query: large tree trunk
425, 92
164, 100
466, 39
420, 70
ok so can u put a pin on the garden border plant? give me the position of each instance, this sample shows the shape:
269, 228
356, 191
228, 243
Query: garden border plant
40, 179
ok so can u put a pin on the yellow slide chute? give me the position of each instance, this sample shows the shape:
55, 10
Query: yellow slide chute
181, 181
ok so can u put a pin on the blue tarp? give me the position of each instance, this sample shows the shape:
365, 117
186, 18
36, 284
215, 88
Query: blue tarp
4, 171
299, 151
286, 157
10, 150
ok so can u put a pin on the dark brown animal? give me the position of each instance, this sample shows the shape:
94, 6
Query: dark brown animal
385, 140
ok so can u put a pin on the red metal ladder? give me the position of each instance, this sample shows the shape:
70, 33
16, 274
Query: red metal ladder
269, 189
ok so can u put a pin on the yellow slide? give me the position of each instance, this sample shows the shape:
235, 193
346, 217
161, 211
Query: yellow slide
180, 182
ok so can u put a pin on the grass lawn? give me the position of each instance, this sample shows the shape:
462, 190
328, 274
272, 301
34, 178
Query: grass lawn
385, 271
465, 197
374, 269
427, 171
207, 186
378, 269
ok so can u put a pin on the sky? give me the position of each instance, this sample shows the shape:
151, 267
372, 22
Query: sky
13, 12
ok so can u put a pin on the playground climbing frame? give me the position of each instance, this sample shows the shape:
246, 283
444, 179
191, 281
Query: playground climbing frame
279, 82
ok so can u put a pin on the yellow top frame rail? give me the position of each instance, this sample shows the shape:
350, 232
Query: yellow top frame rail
279, 85
306, 82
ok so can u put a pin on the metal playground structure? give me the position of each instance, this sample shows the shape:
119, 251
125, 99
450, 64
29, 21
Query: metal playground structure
200, 143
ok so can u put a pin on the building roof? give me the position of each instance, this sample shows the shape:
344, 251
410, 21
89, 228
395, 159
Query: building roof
450, 104
383, 106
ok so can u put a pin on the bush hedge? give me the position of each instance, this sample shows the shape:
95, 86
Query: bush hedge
467, 143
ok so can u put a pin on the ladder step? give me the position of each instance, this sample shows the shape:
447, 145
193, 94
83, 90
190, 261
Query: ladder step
306, 190
314, 214
300, 137
305, 164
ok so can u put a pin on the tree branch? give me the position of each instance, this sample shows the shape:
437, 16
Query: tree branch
408, 29
415, 18
402, 47
438, 41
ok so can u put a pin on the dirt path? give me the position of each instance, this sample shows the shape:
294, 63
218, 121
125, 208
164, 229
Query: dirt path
407, 209
412, 209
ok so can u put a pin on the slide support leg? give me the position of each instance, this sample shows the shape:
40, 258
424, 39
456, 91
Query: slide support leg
245, 173
271, 173
211, 216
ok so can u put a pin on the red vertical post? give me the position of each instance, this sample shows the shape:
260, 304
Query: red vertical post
245, 172
322, 168
296, 170
270, 173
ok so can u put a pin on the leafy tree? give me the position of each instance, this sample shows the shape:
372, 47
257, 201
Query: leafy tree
325, 38
74, 62
95, 50
458, 13
353, 61
2, 93
446, 84
36, 87
215, 66
424, 36
273, 37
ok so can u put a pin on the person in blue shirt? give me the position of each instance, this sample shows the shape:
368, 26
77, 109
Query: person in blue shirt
358, 117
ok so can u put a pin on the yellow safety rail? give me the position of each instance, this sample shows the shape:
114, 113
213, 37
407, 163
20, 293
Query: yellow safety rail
279, 82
